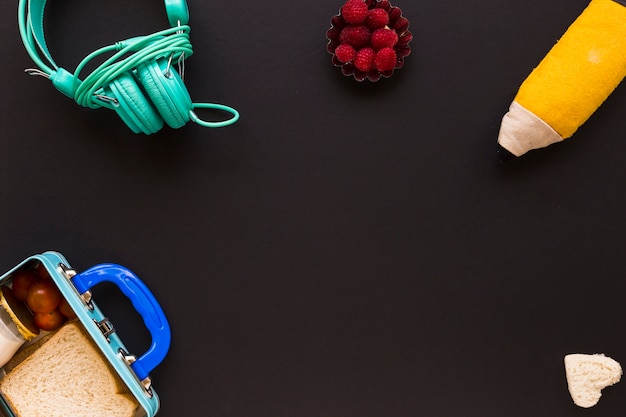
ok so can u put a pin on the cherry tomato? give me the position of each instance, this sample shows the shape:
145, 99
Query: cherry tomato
43, 272
22, 281
66, 310
50, 320
43, 296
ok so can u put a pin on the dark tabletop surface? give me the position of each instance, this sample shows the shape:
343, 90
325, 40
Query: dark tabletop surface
346, 249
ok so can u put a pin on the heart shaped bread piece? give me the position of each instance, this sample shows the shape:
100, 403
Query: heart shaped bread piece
588, 375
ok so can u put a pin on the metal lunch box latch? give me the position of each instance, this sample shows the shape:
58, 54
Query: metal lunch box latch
106, 327
129, 359
70, 273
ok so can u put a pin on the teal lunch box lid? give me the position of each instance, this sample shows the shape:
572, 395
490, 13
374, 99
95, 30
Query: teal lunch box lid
133, 371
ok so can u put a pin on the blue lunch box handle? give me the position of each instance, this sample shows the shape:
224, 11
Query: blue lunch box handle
143, 301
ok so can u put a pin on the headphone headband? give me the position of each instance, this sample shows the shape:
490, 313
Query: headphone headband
31, 22
177, 12
137, 80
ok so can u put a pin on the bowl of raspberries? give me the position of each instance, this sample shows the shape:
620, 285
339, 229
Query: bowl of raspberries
369, 39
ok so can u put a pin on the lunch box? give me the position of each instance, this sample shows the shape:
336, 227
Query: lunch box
132, 370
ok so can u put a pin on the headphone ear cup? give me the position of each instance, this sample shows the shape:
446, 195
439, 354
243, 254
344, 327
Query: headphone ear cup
167, 91
132, 105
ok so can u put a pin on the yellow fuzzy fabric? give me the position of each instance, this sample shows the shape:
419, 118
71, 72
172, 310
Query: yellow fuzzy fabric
580, 71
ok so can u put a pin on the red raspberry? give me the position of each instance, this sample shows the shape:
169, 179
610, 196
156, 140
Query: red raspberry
364, 60
382, 38
358, 36
345, 53
385, 59
377, 18
354, 11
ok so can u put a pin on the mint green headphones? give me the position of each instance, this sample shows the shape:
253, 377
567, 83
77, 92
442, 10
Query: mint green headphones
138, 80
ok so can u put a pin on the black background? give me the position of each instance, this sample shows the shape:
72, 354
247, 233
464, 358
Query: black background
345, 249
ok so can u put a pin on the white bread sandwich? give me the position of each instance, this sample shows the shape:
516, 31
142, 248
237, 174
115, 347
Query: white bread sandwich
588, 375
66, 376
